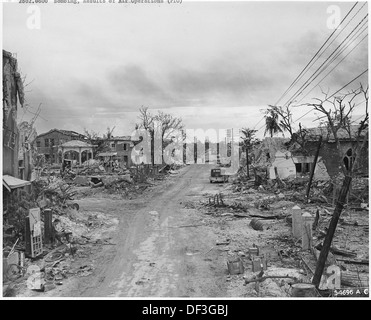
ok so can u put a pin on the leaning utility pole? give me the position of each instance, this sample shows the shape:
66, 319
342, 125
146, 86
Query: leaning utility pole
331, 231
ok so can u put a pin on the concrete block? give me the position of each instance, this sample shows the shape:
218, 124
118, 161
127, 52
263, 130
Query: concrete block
81, 181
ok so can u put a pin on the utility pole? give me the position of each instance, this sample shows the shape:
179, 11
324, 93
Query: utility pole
331, 231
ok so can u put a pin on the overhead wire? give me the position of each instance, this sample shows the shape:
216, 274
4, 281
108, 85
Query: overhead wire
317, 53
349, 40
336, 93
310, 80
335, 65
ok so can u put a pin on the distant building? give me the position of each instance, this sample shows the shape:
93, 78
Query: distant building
76, 150
48, 143
118, 148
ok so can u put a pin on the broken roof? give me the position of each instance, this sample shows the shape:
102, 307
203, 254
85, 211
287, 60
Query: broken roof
315, 133
66, 132
107, 154
76, 143
123, 138
12, 183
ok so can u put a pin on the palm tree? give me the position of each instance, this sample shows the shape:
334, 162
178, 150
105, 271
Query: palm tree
271, 123
248, 140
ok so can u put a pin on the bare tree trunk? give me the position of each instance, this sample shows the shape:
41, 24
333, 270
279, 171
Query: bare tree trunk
247, 163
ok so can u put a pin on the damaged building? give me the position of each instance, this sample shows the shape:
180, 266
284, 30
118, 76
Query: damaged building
329, 152
286, 160
26, 151
14, 176
117, 148
12, 96
274, 155
49, 143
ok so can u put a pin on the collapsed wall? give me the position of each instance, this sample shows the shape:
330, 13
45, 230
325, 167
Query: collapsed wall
12, 92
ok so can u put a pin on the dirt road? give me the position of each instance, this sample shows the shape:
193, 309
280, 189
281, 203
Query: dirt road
162, 248
166, 243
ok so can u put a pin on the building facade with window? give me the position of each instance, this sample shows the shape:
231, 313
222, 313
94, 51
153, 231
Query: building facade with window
48, 143
119, 148
329, 149
289, 160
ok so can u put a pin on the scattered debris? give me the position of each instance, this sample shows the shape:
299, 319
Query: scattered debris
256, 224
303, 290
235, 266
261, 278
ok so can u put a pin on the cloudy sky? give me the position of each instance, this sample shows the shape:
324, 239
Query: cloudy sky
215, 64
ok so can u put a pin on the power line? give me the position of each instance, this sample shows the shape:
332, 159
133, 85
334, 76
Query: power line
329, 46
329, 97
341, 30
337, 92
361, 74
356, 35
350, 38
357, 119
306, 84
335, 65
258, 122
360, 103
304, 115
307, 66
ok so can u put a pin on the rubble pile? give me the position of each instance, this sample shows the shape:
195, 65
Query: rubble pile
91, 169
60, 261
124, 187
264, 213
294, 189
359, 192
57, 195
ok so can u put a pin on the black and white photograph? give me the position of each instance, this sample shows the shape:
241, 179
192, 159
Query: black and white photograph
178, 149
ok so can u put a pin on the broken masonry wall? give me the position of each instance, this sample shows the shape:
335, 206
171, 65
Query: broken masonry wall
11, 82
264, 153
10, 148
330, 157
27, 134
320, 171
284, 164
12, 90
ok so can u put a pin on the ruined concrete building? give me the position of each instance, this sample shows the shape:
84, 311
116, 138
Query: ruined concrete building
329, 152
118, 148
26, 151
277, 154
12, 94
48, 143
